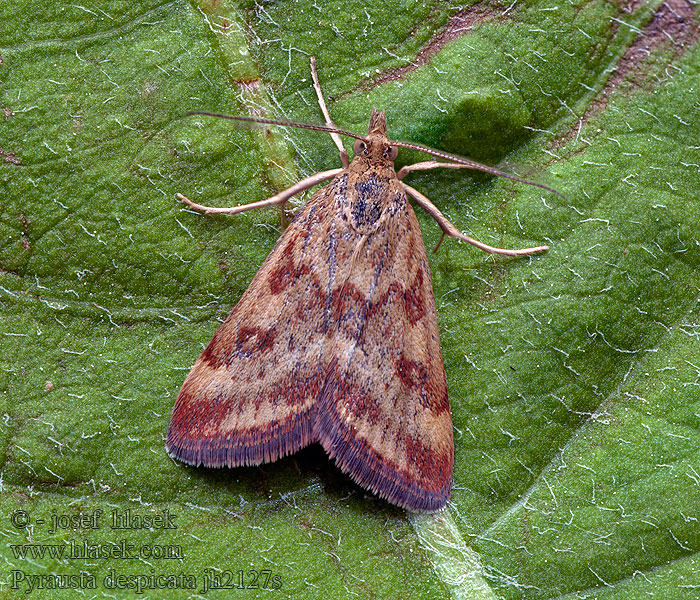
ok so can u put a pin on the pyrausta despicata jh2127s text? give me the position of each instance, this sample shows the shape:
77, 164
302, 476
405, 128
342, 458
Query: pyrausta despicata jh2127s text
336, 341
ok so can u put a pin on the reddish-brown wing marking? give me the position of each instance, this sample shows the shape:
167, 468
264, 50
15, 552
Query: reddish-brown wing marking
334, 341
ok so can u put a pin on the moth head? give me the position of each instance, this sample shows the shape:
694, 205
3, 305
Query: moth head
376, 146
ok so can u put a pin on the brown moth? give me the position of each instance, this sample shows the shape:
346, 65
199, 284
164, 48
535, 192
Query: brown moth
336, 340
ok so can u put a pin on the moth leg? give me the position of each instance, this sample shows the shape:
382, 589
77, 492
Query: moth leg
449, 229
344, 159
278, 198
429, 164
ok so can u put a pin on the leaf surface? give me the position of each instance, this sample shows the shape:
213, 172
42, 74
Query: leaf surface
574, 376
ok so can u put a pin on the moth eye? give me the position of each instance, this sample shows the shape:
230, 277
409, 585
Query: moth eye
393, 152
359, 147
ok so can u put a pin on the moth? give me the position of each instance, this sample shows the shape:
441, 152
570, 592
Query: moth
336, 340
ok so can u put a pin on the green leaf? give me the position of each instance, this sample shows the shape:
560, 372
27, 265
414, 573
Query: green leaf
574, 376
